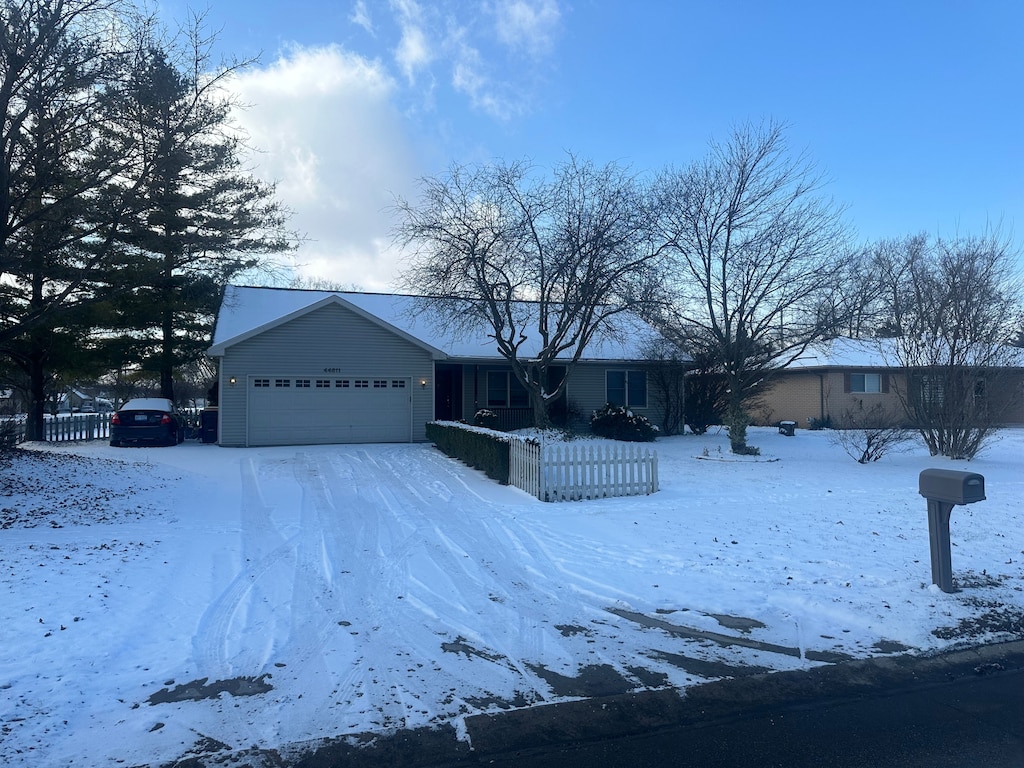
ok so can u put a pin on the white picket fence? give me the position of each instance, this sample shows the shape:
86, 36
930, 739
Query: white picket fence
574, 472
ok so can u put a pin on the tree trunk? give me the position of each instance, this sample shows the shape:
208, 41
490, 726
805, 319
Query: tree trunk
167, 332
35, 425
541, 418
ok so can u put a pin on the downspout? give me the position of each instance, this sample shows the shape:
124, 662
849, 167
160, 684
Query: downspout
821, 397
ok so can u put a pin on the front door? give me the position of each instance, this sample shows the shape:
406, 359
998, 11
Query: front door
448, 392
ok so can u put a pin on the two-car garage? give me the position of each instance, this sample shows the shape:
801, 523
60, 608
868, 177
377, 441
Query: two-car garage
322, 370
294, 410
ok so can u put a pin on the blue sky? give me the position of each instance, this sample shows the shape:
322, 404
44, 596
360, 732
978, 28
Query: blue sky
912, 109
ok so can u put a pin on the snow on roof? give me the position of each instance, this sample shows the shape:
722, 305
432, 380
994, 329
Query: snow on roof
246, 310
148, 404
844, 352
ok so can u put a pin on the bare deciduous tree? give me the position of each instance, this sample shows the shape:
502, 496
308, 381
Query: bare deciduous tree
867, 434
667, 367
757, 249
544, 266
960, 302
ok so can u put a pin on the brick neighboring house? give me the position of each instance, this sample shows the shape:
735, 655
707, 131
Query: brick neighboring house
842, 375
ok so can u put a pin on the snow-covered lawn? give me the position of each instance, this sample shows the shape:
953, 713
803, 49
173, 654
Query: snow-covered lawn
158, 603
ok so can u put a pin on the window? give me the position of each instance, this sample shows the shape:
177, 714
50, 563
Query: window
380, 383
361, 383
398, 383
302, 383
282, 382
626, 388
261, 382
932, 391
869, 383
505, 391
323, 383
342, 383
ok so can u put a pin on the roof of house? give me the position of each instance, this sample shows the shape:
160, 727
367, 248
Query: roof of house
843, 352
247, 311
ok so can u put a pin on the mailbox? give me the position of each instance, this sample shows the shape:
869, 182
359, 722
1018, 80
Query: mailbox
944, 489
951, 487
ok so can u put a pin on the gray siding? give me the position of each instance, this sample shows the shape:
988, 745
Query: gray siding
585, 389
587, 393
331, 340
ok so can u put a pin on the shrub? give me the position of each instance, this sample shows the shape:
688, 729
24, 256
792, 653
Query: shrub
867, 434
486, 419
738, 423
620, 423
11, 432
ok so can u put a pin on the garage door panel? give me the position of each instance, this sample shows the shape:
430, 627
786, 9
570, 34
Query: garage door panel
297, 411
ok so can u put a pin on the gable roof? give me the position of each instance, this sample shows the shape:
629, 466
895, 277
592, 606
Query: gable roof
247, 312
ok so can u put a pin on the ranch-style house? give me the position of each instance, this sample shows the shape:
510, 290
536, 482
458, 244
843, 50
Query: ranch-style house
306, 367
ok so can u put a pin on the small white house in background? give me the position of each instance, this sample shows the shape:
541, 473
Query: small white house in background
77, 401
305, 367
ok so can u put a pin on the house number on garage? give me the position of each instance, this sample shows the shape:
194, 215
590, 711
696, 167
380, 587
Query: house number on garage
332, 370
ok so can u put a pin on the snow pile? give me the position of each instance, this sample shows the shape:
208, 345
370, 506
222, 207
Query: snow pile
168, 602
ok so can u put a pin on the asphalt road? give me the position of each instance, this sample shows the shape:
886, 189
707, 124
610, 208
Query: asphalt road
971, 723
958, 710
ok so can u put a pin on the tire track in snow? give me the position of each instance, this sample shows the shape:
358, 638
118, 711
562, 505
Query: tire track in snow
405, 583
264, 549
561, 593
478, 600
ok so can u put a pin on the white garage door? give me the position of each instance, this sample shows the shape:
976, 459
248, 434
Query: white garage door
293, 410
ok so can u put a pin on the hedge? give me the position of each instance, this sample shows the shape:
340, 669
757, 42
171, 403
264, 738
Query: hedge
480, 448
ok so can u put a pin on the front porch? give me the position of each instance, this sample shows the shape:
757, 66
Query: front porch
462, 389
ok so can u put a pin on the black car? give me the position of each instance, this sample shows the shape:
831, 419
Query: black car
147, 420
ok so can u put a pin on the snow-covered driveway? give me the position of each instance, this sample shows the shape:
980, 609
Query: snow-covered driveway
173, 602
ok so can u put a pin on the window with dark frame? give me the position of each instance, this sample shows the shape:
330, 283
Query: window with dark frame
866, 383
505, 391
626, 388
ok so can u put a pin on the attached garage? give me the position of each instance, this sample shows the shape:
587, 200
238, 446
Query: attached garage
293, 410
308, 367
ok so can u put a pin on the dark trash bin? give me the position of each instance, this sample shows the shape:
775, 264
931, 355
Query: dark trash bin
208, 425
787, 428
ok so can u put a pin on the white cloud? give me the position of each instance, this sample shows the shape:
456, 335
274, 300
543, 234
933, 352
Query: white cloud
527, 25
469, 76
414, 51
361, 16
331, 138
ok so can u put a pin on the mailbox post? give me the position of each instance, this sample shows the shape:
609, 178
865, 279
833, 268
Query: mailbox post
944, 489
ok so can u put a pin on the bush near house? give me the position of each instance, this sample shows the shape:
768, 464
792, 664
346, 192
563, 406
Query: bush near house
618, 423
487, 419
483, 450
